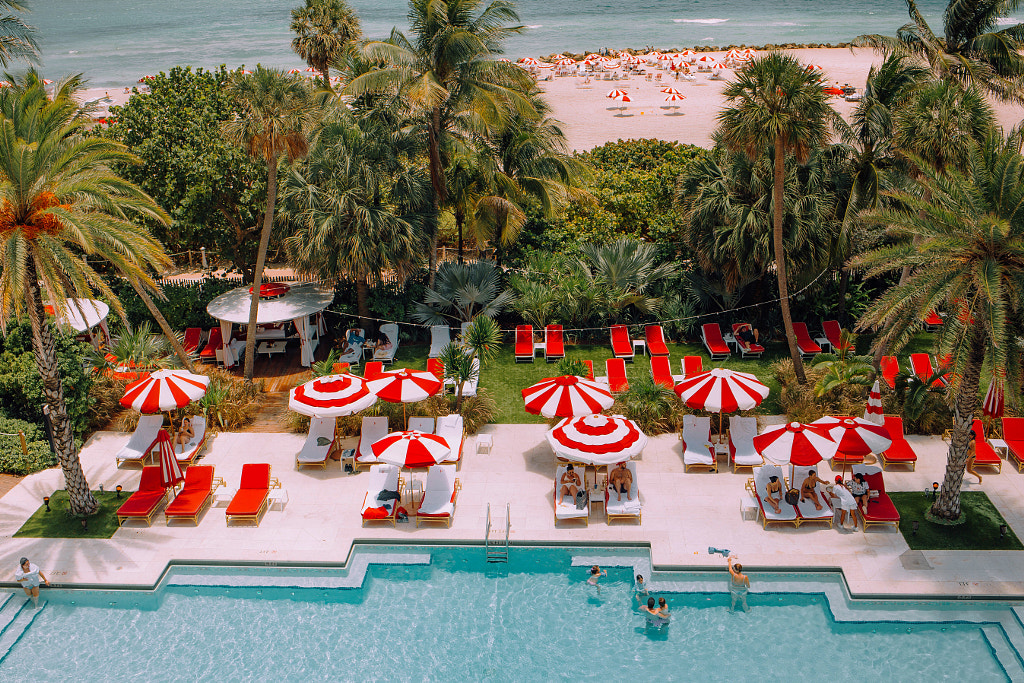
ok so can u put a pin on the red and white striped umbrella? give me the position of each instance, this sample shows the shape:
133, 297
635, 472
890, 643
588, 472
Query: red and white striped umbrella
332, 396
405, 385
722, 391
164, 390
855, 435
411, 449
675, 97
597, 439
814, 67
707, 60
566, 396
147, 78
873, 411
294, 71
800, 444
669, 90
529, 61
994, 400
617, 94
565, 62
170, 470
312, 70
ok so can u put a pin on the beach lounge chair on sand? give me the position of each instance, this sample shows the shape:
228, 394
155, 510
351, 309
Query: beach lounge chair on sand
142, 442
187, 453
617, 380
318, 445
373, 370
144, 503
661, 371
214, 343
524, 344
192, 340
373, 430
890, 367
628, 507
711, 335
1013, 435
900, 452
253, 495
984, 454
697, 448
807, 346
692, 366
194, 497
435, 367
386, 353
450, 428
440, 337
554, 344
805, 508
565, 506
421, 424
834, 334
381, 478
752, 349
655, 337
742, 453
757, 486
439, 495
622, 345
590, 369
881, 510
921, 364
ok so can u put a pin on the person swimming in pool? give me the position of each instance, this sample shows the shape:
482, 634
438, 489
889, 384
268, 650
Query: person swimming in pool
739, 584
640, 588
595, 575
774, 490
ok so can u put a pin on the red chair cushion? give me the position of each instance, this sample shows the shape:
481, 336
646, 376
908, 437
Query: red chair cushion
247, 502
900, 451
255, 476
187, 503
881, 509
376, 513
140, 504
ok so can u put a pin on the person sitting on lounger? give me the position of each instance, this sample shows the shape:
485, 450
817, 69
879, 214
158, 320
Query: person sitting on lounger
774, 497
859, 488
809, 489
570, 483
382, 343
748, 334
351, 341
185, 433
621, 480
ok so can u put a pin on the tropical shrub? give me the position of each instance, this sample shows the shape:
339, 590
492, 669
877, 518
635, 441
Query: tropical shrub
13, 459
801, 403
654, 408
461, 292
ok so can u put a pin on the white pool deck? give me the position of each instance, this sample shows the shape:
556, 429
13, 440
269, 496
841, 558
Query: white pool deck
683, 514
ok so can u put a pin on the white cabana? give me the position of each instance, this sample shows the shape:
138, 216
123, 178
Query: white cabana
82, 315
301, 304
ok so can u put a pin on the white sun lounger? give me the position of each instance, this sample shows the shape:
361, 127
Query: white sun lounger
440, 337
373, 430
355, 353
450, 428
382, 477
439, 494
389, 330
318, 445
422, 424
742, 453
187, 452
624, 509
787, 513
143, 440
565, 506
697, 448
805, 508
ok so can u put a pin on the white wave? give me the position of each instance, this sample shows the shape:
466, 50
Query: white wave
700, 21
785, 23
535, 26
1007, 21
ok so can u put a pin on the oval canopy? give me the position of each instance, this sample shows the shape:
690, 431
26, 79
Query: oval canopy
300, 300
82, 315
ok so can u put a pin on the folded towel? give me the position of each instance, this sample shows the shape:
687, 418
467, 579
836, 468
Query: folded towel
631, 506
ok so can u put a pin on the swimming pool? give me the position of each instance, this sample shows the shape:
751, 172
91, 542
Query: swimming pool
445, 614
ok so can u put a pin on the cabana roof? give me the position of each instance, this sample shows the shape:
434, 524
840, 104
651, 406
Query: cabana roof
300, 300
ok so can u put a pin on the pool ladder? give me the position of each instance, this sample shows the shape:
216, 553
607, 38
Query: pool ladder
495, 549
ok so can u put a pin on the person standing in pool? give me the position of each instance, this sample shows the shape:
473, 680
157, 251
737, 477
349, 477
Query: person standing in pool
29, 576
739, 584
650, 612
663, 612
595, 575
640, 588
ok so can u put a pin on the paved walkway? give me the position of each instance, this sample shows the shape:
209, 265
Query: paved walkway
683, 515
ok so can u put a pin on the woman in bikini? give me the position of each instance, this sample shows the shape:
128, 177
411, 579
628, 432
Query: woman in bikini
570, 483
809, 489
185, 433
774, 488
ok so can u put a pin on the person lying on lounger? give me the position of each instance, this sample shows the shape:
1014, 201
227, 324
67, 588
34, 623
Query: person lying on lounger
185, 433
570, 483
621, 480
748, 334
774, 497
809, 489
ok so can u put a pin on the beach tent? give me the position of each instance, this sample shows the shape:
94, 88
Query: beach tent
302, 304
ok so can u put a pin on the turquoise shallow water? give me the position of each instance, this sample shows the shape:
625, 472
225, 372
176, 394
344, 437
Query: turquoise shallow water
458, 619
115, 42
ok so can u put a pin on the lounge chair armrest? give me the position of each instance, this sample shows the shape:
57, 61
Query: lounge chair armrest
751, 487
218, 481
275, 483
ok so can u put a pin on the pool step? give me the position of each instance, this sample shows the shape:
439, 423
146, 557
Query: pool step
17, 627
9, 608
1004, 652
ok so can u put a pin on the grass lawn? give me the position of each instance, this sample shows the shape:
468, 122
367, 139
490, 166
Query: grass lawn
980, 532
58, 523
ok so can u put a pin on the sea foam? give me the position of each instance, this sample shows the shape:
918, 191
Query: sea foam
700, 21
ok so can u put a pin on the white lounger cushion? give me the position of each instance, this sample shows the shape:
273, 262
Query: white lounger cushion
806, 507
742, 431
381, 478
565, 506
312, 451
374, 429
437, 492
449, 427
142, 438
440, 337
422, 424
761, 475
187, 451
696, 436
625, 507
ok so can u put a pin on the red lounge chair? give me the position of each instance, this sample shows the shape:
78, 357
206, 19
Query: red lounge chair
524, 344
661, 371
834, 334
984, 454
921, 364
195, 495
807, 346
933, 321
655, 337
622, 345
900, 452
373, 369
1013, 435
554, 345
711, 335
214, 343
253, 495
881, 510
590, 369
340, 368
436, 367
692, 366
193, 337
752, 349
144, 503
616, 369
890, 367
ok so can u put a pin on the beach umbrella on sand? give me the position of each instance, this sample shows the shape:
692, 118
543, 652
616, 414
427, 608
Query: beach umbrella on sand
331, 396
814, 67
565, 62
597, 439
294, 71
505, 60
669, 90
593, 55
566, 396
617, 94
675, 97
873, 410
749, 53
529, 61
404, 386
411, 449
688, 55
722, 391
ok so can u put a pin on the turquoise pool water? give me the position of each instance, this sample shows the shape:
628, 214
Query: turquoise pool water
458, 619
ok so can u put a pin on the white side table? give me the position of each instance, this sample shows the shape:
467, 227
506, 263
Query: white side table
999, 445
640, 345
730, 340
279, 497
223, 494
748, 507
484, 442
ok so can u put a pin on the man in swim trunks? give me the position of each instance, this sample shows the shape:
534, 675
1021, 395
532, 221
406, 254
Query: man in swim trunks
570, 483
621, 480
774, 488
739, 584
748, 334
809, 489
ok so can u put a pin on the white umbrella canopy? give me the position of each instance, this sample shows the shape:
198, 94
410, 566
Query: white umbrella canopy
597, 439
165, 390
411, 449
332, 396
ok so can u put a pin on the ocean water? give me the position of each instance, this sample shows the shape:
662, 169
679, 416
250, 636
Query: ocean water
115, 42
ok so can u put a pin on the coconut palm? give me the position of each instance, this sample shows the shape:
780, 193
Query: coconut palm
776, 103
323, 30
17, 39
275, 112
59, 205
966, 255
970, 51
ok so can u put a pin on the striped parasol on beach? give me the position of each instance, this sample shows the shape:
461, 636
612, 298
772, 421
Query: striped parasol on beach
618, 94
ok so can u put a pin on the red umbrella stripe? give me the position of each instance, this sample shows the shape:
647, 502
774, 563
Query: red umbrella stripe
597, 434
164, 390
411, 449
994, 400
722, 391
795, 443
330, 392
405, 386
170, 470
566, 396
856, 436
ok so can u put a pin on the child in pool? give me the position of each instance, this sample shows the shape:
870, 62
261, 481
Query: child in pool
595, 574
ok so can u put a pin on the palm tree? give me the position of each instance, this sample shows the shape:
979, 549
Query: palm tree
966, 255
274, 114
622, 273
61, 204
780, 105
463, 292
448, 75
481, 341
17, 39
970, 51
323, 30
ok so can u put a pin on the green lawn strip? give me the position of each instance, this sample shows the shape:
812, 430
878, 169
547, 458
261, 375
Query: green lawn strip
979, 532
59, 523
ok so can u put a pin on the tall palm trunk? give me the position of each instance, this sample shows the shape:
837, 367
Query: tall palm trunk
45, 348
363, 302
179, 350
780, 258
948, 504
844, 284
460, 218
261, 259
440, 189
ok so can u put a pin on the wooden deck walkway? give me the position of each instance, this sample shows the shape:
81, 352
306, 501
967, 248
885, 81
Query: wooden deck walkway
282, 371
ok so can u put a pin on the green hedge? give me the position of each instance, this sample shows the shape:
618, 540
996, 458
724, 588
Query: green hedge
13, 459
185, 305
